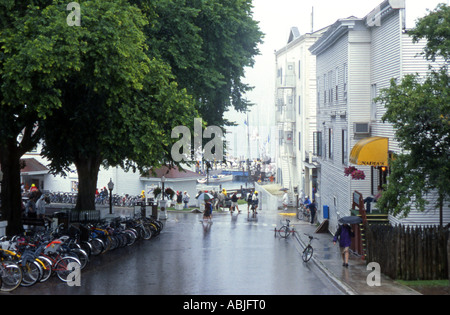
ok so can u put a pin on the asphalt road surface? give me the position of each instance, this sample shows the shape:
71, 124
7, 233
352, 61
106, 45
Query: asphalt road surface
235, 254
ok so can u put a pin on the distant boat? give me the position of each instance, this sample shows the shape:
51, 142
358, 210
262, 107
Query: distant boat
216, 179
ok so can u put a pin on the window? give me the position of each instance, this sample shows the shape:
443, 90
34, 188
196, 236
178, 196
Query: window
299, 104
336, 83
280, 75
344, 147
324, 88
345, 79
373, 105
317, 143
299, 69
299, 141
330, 143
330, 87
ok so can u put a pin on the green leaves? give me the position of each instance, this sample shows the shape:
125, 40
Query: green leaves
435, 28
207, 44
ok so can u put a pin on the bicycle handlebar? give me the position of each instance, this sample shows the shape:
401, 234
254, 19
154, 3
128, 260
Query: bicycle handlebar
311, 237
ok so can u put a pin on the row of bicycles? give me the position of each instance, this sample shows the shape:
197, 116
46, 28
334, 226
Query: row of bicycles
33, 258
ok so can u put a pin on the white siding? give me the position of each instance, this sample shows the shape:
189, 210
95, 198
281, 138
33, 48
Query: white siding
300, 83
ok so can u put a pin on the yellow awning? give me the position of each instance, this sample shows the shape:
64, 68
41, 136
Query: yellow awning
370, 151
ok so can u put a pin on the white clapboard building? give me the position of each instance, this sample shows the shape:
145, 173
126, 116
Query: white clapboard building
355, 58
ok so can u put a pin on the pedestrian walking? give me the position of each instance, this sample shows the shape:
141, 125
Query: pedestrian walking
370, 199
186, 198
345, 234
285, 200
249, 201
30, 208
312, 209
255, 202
234, 203
207, 214
222, 198
40, 205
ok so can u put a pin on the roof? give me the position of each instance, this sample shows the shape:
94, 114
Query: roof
294, 34
32, 167
173, 173
333, 33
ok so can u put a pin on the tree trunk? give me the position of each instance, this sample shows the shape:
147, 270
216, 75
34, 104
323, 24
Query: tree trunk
88, 169
11, 191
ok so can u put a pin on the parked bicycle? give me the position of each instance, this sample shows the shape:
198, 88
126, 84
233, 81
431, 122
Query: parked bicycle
303, 213
308, 251
285, 230
32, 258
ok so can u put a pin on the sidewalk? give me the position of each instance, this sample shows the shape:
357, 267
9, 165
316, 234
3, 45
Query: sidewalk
352, 279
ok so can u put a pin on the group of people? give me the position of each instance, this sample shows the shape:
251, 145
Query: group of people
182, 198
311, 206
220, 198
34, 207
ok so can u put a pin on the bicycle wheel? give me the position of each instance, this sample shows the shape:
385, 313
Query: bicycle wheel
131, 237
32, 273
62, 267
147, 232
81, 255
97, 246
47, 268
307, 253
300, 214
87, 247
284, 231
11, 275
306, 216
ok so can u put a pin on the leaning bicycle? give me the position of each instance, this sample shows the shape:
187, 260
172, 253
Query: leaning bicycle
303, 213
308, 251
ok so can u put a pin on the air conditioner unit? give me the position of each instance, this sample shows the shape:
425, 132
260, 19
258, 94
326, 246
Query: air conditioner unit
361, 128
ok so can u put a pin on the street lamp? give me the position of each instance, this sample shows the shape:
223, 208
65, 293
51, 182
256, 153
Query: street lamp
163, 179
110, 187
162, 203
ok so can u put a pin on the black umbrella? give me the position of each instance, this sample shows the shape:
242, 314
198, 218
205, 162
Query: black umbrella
350, 220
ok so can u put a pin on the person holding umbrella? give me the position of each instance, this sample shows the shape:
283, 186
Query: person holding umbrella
207, 214
345, 234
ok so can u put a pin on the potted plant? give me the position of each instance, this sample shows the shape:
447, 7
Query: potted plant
354, 172
156, 192
170, 192
349, 170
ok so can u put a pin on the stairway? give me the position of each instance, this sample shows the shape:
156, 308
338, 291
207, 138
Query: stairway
360, 244
285, 169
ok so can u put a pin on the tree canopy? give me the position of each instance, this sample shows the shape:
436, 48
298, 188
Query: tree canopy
111, 90
119, 107
208, 44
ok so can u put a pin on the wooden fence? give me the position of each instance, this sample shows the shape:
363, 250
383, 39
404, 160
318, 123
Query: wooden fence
409, 253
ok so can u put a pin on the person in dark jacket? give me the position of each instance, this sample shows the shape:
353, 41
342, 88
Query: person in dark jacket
345, 234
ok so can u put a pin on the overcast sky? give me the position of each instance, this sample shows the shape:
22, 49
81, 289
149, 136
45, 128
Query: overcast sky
276, 17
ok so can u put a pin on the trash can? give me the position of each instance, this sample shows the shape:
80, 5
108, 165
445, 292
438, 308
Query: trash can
326, 212
154, 205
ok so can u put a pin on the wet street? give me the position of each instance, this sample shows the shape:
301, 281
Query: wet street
235, 254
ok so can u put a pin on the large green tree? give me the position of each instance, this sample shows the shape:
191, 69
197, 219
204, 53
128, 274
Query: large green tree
119, 107
208, 44
419, 110
31, 61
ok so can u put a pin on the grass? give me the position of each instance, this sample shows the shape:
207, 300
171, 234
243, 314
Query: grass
429, 287
416, 283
